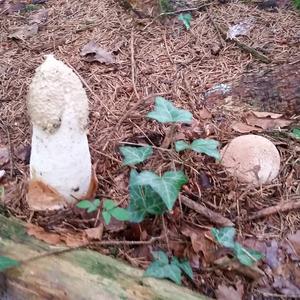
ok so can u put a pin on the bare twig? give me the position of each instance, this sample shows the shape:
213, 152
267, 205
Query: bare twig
133, 69
281, 207
212, 216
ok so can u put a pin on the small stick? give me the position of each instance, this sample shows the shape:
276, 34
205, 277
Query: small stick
133, 66
212, 216
282, 207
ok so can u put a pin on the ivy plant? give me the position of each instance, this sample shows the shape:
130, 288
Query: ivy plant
161, 267
6, 263
166, 186
225, 237
135, 155
166, 112
144, 201
208, 147
110, 209
89, 206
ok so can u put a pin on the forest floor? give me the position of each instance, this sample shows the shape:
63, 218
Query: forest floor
160, 57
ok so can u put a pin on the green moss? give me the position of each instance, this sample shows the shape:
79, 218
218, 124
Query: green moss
297, 3
165, 6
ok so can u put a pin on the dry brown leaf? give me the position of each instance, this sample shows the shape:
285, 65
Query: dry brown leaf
24, 32
4, 155
91, 193
95, 233
267, 123
92, 52
229, 293
244, 128
42, 197
265, 114
74, 240
200, 242
295, 241
40, 17
205, 114
40, 233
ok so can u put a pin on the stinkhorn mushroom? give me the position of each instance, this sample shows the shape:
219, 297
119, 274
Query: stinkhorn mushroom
252, 159
60, 161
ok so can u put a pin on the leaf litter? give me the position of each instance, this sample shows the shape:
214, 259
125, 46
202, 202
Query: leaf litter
155, 74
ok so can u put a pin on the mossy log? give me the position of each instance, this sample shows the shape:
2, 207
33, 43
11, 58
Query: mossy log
78, 274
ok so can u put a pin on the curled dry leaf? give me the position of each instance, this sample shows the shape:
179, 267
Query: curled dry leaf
92, 52
24, 32
94, 233
244, 128
229, 293
267, 122
200, 242
42, 197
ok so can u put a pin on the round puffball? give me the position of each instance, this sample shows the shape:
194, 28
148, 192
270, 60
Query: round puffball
252, 159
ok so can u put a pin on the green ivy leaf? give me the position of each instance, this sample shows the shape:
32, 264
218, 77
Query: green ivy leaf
89, 206
161, 268
224, 236
120, 214
106, 216
166, 112
135, 155
167, 186
208, 147
144, 201
110, 209
295, 133
160, 257
6, 262
184, 266
246, 256
186, 20
109, 204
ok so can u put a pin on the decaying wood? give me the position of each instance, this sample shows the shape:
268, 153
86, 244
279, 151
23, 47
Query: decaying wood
275, 89
212, 216
281, 207
73, 275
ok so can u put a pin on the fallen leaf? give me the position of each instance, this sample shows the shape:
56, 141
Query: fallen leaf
42, 197
200, 242
267, 123
242, 28
40, 17
295, 241
95, 233
244, 128
229, 293
92, 52
74, 240
286, 287
23, 153
24, 32
271, 256
40, 233
205, 114
4, 155
265, 114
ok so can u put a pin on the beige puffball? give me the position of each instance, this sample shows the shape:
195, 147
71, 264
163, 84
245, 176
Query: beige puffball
252, 159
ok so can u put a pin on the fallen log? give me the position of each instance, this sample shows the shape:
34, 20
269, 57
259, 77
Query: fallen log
273, 89
80, 274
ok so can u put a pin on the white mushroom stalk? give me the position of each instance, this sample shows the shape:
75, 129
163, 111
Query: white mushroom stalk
60, 162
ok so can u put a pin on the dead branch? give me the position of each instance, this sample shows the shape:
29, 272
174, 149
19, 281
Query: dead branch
212, 216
